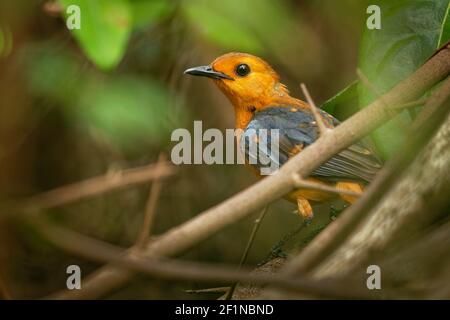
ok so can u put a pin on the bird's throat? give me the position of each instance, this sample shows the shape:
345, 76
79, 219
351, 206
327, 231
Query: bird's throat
243, 116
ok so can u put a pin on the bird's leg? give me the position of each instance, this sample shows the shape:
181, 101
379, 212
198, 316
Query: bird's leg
305, 209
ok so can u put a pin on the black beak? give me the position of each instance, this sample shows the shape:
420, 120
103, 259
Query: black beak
207, 71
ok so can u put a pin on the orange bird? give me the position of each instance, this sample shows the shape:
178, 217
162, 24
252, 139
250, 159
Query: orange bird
261, 101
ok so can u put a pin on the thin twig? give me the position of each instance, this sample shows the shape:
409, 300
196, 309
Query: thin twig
411, 104
150, 211
99, 185
209, 290
305, 184
323, 128
256, 226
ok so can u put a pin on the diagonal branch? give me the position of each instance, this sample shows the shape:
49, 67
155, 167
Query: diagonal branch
99, 185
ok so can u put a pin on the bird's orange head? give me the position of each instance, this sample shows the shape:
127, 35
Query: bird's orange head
249, 82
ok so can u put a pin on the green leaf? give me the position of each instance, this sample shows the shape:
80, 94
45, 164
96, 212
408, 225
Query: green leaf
253, 26
105, 29
263, 27
130, 111
341, 99
411, 31
146, 12
45, 66
210, 21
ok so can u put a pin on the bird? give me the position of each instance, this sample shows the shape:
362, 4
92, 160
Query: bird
261, 101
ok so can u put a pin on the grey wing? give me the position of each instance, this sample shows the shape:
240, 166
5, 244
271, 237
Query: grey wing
297, 130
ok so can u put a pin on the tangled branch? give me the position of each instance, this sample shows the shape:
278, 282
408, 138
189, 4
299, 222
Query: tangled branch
332, 141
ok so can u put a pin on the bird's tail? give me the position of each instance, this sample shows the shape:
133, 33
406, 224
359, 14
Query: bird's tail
351, 186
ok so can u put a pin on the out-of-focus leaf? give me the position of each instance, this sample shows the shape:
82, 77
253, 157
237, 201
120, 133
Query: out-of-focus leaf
105, 29
130, 111
262, 27
410, 33
209, 19
148, 11
51, 74
342, 98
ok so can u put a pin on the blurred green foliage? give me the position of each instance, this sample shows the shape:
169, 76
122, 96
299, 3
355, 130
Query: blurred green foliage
105, 29
127, 110
412, 30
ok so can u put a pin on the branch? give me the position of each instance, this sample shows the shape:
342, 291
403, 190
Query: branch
256, 226
99, 185
150, 210
267, 190
320, 123
180, 270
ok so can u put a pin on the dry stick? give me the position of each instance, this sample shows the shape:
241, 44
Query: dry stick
267, 190
99, 185
256, 226
319, 120
209, 290
150, 210
96, 250
327, 241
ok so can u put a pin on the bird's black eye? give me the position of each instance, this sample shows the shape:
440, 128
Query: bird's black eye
242, 70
